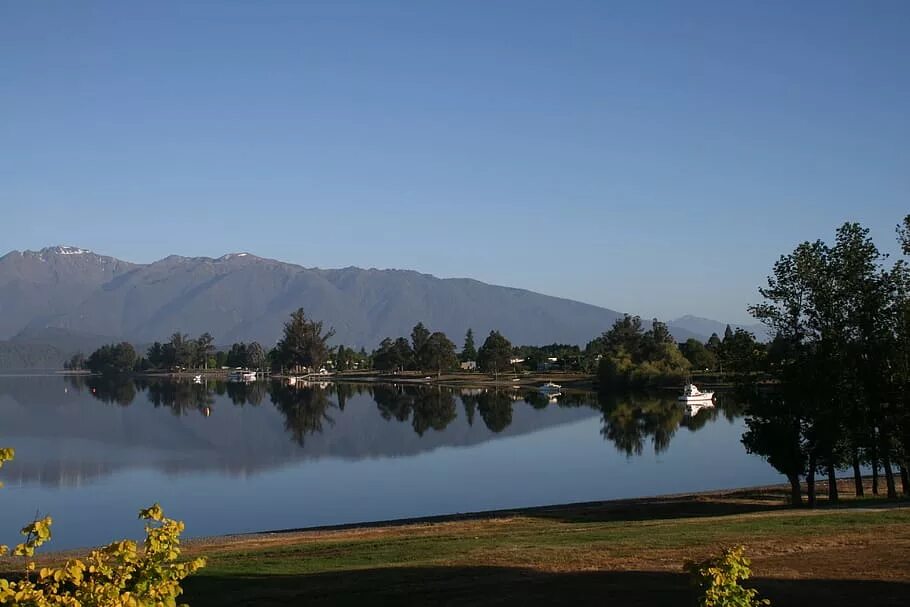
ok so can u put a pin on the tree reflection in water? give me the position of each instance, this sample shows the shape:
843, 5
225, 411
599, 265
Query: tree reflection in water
180, 396
108, 389
305, 408
426, 407
629, 420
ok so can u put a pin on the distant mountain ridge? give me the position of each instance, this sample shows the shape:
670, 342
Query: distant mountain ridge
67, 296
705, 327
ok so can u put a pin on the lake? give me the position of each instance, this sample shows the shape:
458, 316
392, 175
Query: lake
232, 458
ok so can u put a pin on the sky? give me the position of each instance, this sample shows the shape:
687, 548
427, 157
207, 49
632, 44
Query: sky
650, 157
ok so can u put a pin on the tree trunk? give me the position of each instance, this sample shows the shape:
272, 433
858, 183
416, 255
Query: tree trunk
889, 478
832, 484
875, 477
857, 476
796, 491
810, 482
874, 458
905, 480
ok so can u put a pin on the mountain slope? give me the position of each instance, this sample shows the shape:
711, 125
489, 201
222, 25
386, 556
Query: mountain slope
73, 299
39, 286
244, 297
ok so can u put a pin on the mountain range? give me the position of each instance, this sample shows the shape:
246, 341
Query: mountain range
63, 299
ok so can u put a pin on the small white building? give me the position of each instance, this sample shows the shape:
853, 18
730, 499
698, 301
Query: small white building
469, 365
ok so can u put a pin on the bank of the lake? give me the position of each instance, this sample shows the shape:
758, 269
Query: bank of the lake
625, 552
622, 552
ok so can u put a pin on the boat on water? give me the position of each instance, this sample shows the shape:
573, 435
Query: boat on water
550, 388
692, 395
240, 375
197, 379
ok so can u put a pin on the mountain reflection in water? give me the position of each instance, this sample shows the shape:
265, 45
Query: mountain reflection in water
231, 426
233, 457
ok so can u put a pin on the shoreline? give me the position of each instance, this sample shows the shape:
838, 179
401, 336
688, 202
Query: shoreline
773, 498
644, 504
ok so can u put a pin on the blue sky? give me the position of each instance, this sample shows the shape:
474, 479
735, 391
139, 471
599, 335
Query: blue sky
653, 157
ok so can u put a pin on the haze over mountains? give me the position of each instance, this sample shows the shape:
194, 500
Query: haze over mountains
63, 299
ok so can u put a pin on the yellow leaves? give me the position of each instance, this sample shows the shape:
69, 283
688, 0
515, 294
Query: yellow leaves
718, 579
118, 574
152, 514
7, 454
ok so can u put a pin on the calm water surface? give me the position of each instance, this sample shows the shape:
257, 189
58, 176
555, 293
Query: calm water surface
230, 458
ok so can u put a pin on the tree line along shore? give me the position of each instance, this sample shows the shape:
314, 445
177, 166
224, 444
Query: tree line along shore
625, 354
829, 392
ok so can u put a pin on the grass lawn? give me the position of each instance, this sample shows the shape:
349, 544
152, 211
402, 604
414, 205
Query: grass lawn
621, 553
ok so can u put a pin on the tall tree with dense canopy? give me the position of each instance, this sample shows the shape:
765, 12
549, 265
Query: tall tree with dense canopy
469, 351
204, 349
303, 343
439, 353
255, 355
393, 355
419, 337
112, 359
495, 354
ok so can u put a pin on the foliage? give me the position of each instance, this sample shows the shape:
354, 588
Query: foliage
75, 363
699, 355
420, 335
632, 357
718, 580
112, 359
438, 352
393, 355
119, 574
304, 343
495, 353
469, 351
840, 358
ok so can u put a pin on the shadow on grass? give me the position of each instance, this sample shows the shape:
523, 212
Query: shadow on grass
613, 510
458, 586
655, 509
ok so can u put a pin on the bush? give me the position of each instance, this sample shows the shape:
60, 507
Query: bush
717, 580
119, 574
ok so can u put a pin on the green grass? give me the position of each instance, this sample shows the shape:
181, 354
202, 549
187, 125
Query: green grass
521, 560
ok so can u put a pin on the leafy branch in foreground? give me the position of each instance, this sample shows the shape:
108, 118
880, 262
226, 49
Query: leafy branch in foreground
718, 580
120, 574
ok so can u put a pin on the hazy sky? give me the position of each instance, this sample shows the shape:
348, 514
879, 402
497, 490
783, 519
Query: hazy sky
653, 157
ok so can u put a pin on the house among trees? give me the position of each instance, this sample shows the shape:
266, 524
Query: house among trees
547, 364
469, 365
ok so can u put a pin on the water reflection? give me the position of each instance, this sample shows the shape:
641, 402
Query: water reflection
629, 420
305, 409
327, 419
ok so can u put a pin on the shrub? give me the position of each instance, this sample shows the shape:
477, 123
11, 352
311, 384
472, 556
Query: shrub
119, 574
718, 580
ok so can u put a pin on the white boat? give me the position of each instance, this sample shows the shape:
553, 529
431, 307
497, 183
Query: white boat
240, 375
691, 394
550, 388
197, 379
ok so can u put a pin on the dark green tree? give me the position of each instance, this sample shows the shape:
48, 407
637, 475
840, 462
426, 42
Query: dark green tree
469, 351
204, 349
439, 353
419, 337
495, 354
303, 343
255, 356
698, 355
393, 355
112, 359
